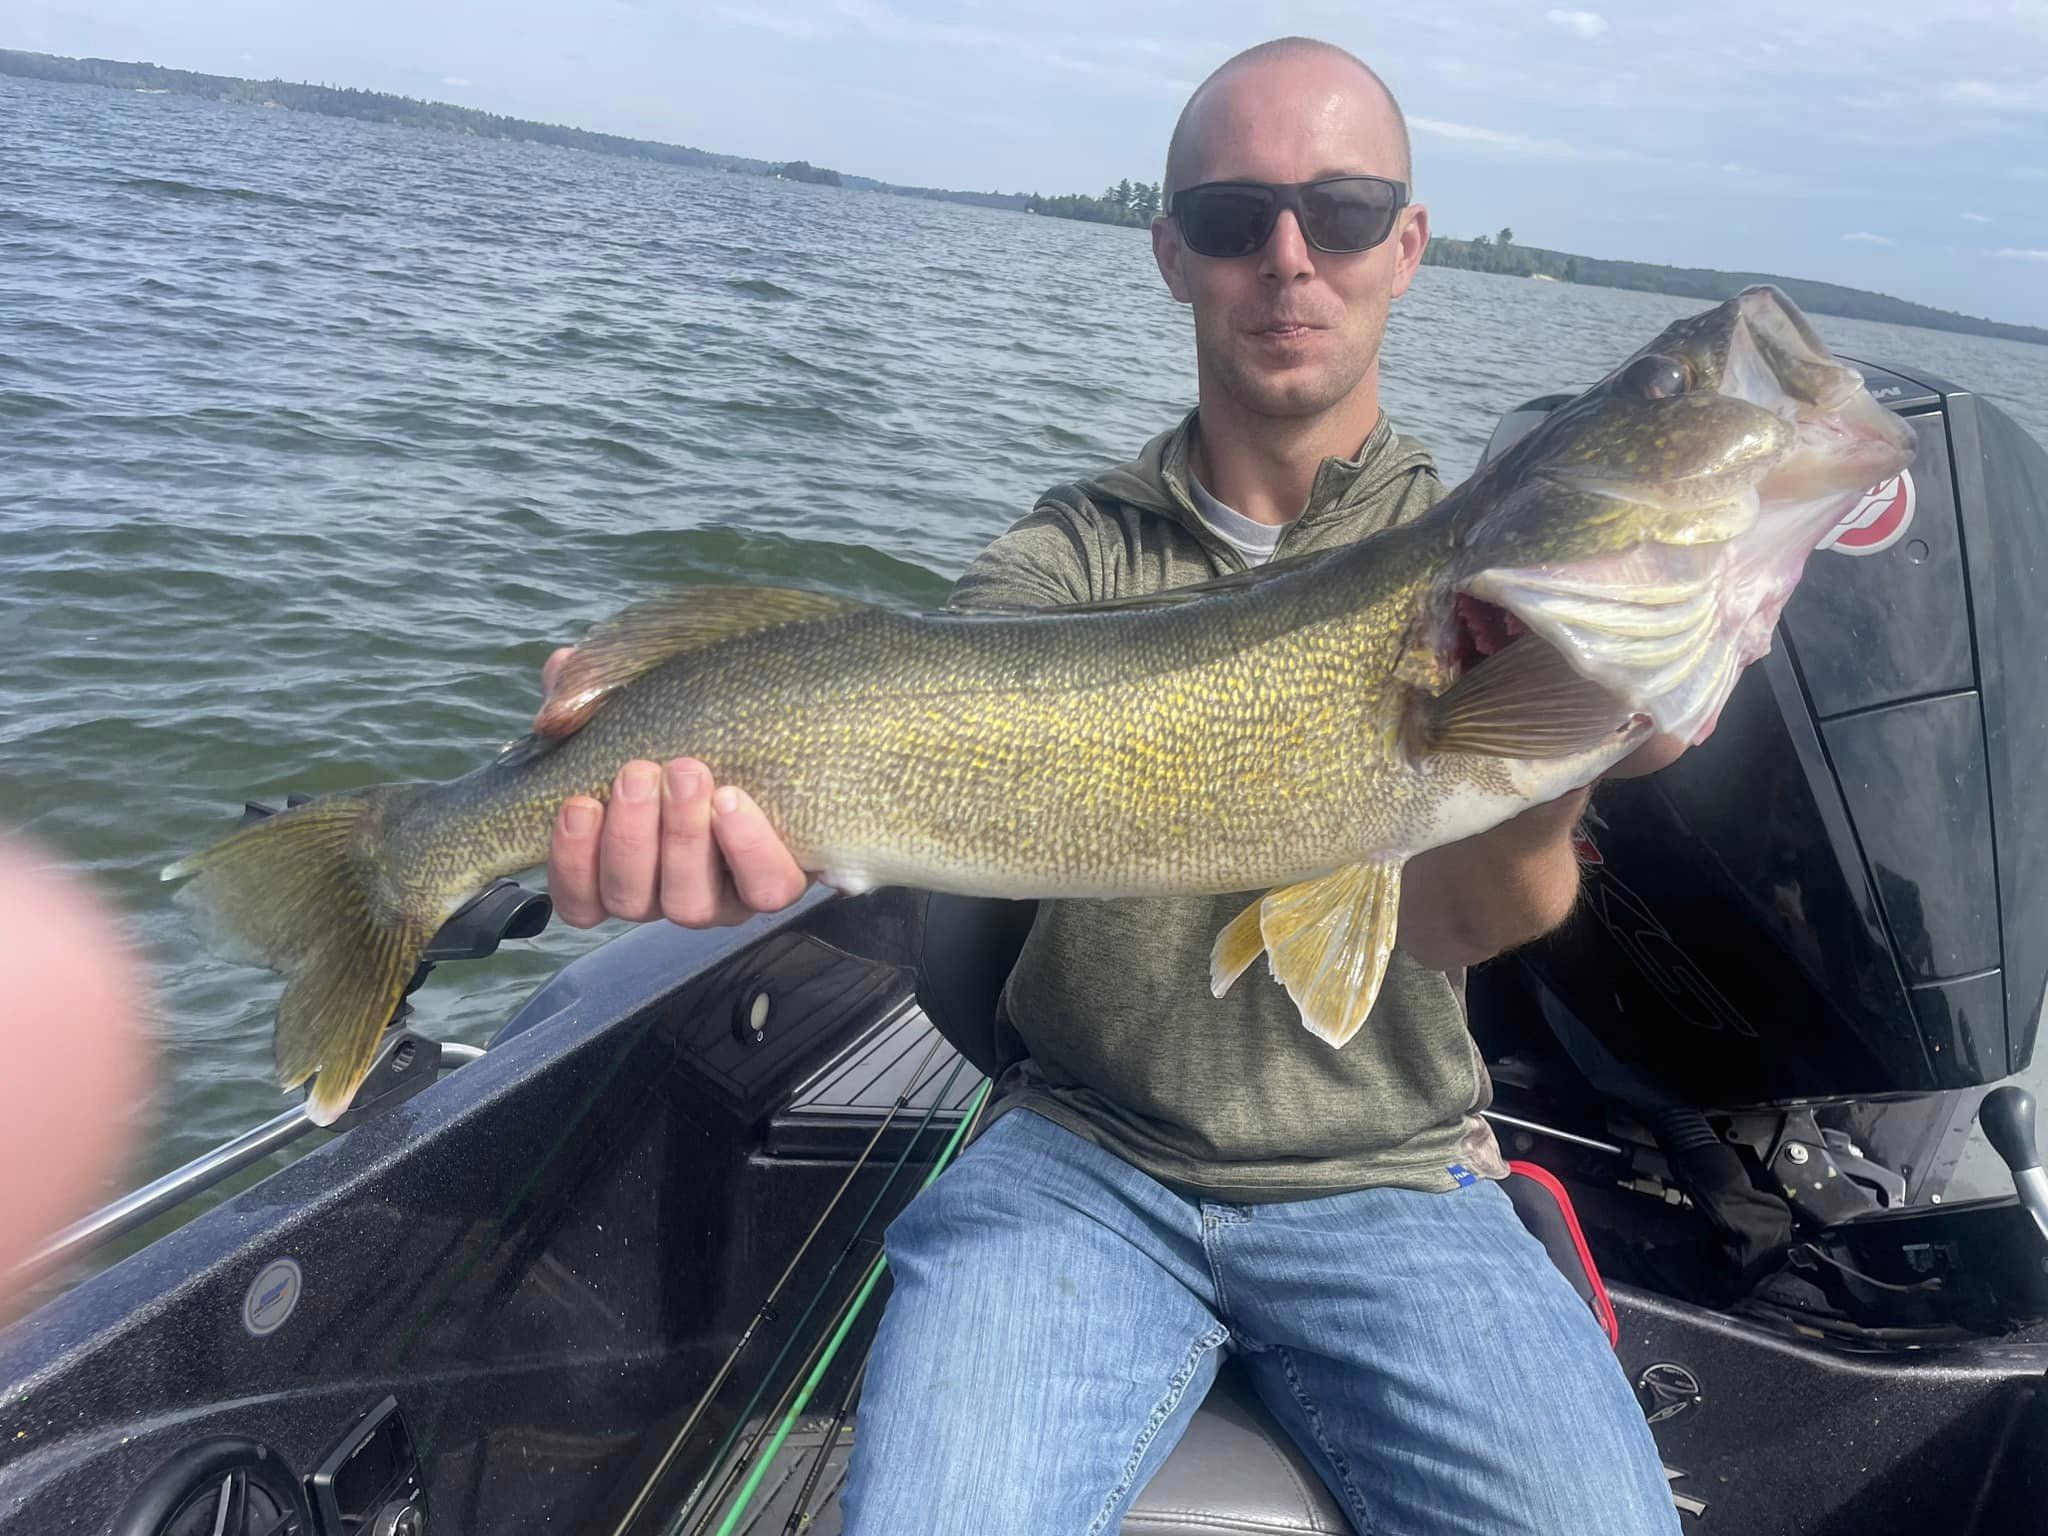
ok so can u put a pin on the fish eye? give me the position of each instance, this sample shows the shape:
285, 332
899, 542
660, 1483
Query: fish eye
1657, 376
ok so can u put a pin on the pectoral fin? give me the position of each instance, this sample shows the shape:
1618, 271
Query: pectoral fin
1522, 702
1328, 942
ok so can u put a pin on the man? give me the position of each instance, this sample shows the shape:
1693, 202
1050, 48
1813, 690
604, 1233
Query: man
1168, 1176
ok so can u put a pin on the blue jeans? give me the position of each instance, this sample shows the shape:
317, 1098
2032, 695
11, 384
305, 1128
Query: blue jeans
1057, 1316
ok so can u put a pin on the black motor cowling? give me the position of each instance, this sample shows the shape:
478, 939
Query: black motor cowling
1844, 892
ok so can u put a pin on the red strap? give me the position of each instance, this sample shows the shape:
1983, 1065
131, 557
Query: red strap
1603, 1307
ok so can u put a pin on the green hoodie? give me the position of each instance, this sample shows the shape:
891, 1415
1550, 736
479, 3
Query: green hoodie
1108, 1011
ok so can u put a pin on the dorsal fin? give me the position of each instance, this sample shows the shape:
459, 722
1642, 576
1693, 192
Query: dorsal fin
637, 639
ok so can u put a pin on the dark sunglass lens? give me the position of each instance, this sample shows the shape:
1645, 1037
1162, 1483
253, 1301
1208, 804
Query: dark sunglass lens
1347, 215
1225, 221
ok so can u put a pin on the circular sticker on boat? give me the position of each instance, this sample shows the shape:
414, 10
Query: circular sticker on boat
1878, 521
271, 1297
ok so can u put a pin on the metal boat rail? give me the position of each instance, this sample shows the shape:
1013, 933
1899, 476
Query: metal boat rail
405, 1064
173, 1189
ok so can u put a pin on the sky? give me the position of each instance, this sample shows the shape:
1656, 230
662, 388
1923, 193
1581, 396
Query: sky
1896, 146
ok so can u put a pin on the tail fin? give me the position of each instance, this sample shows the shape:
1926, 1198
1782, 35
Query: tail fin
311, 893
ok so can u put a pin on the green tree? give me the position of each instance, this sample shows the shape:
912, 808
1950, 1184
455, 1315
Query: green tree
1123, 193
803, 170
1505, 238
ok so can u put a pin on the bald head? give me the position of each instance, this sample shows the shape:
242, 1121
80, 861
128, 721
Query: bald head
1297, 66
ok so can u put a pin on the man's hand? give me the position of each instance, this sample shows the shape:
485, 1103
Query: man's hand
1469, 901
671, 844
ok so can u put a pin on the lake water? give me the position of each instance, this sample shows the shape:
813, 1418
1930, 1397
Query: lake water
319, 435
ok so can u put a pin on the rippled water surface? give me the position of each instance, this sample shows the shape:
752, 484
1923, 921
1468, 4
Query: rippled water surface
316, 436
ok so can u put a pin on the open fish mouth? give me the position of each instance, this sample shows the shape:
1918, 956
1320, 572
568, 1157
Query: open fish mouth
1479, 630
1840, 434
1701, 474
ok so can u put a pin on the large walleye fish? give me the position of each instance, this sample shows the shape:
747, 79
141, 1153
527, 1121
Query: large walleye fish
1302, 730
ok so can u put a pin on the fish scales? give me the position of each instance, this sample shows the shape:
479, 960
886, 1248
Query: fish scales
1107, 755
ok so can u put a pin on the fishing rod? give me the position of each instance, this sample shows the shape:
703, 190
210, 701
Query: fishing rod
730, 1468
746, 1459
801, 1514
696, 1495
767, 1308
876, 1270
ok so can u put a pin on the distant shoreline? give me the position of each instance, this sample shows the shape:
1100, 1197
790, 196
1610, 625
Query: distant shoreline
1482, 254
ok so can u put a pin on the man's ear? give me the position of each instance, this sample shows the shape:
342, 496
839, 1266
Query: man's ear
1411, 239
1166, 250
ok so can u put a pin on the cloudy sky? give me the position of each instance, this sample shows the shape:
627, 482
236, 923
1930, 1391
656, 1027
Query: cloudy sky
1895, 146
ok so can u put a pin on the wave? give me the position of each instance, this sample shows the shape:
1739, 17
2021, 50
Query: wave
761, 288
24, 405
786, 416
752, 555
625, 453
167, 186
199, 191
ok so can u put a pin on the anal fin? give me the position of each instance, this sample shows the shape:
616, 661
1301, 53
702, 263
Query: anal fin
1236, 947
1328, 942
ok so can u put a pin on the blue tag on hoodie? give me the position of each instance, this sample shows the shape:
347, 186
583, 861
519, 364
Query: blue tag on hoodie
1462, 1174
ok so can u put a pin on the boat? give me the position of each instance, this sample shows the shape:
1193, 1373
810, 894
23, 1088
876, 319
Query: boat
616, 1272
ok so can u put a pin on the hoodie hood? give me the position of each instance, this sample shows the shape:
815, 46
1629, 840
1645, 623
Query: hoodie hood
1158, 480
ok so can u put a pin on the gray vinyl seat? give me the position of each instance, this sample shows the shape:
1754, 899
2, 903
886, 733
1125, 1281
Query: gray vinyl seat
1235, 1471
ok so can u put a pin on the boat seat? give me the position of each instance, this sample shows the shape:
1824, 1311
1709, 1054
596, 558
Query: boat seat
1235, 1470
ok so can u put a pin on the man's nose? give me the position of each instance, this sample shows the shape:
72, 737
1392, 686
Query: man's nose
1286, 254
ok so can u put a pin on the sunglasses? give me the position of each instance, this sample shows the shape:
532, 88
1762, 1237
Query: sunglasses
1336, 214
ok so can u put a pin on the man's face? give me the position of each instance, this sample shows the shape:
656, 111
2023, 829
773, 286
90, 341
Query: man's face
1291, 331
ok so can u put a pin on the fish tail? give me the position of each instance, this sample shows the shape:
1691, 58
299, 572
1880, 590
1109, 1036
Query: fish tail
316, 894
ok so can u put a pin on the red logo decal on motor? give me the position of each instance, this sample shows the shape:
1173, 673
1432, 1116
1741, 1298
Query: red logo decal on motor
1878, 521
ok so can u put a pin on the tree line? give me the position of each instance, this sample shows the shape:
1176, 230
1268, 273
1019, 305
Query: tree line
364, 106
1502, 254
1499, 253
1128, 202
1133, 203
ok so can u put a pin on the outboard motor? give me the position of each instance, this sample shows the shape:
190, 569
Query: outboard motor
1843, 894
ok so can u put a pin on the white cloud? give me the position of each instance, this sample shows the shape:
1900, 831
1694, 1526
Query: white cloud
455, 80
1867, 238
1082, 51
2015, 253
1578, 23
1514, 143
783, 23
1992, 96
1977, 218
